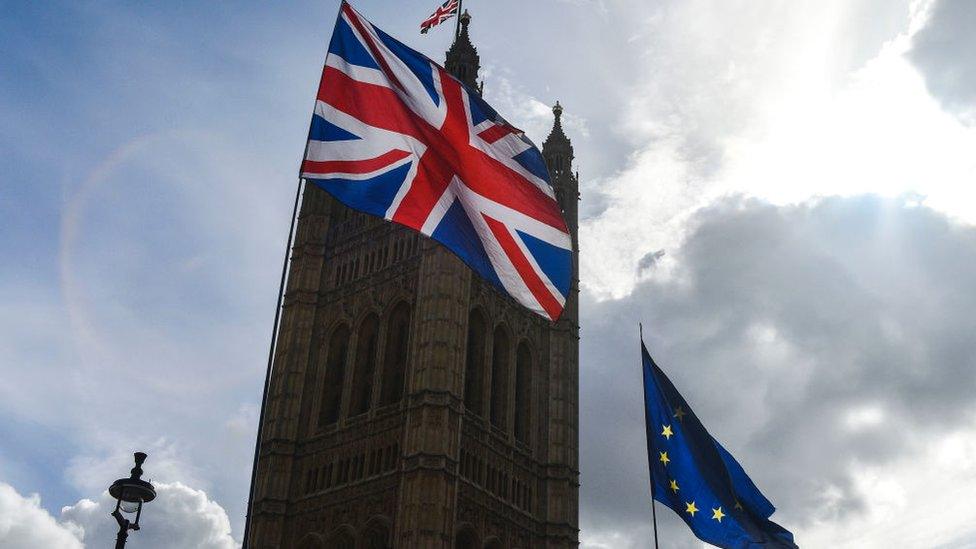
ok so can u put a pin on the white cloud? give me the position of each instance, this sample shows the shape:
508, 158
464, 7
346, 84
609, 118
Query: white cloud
180, 516
881, 132
783, 104
532, 115
646, 209
106, 461
932, 487
25, 525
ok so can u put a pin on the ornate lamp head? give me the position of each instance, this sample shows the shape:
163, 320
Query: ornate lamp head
130, 493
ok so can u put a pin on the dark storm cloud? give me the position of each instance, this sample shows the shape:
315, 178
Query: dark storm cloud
808, 338
944, 51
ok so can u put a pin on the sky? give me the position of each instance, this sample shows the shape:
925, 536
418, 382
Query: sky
782, 191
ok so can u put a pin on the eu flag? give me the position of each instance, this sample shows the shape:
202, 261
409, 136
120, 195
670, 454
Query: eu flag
699, 479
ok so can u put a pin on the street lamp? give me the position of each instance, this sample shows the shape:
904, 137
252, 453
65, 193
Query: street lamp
131, 493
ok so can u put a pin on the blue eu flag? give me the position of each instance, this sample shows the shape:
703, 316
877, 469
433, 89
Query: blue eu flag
699, 479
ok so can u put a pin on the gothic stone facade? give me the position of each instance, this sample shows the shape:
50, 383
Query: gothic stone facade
411, 404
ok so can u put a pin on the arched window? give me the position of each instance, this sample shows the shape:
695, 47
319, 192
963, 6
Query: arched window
395, 355
335, 375
523, 392
377, 536
362, 379
474, 366
499, 378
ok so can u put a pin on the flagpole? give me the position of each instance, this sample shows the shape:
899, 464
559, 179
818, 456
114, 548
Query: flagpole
277, 318
457, 21
267, 375
640, 331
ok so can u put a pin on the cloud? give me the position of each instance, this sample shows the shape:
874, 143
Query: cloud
944, 51
179, 517
784, 105
89, 472
525, 111
25, 525
827, 344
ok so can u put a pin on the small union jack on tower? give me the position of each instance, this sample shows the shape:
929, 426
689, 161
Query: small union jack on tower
443, 12
395, 135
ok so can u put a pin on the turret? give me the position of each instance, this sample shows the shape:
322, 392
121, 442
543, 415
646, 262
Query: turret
462, 58
557, 151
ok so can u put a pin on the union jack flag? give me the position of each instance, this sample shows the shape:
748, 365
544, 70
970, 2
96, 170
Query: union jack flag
394, 135
443, 12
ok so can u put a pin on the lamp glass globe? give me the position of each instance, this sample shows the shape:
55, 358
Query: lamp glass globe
129, 506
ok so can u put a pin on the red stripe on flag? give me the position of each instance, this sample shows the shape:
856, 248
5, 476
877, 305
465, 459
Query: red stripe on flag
372, 104
495, 132
525, 269
354, 166
373, 48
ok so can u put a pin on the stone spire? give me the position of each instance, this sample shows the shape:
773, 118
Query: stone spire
557, 149
462, 59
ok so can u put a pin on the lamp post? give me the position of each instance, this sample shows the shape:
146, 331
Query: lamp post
130, 494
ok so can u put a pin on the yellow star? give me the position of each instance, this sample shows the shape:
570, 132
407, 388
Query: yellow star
667, 432
674, 486
717, 514
664, 458
738, 505
680, 413
690, 508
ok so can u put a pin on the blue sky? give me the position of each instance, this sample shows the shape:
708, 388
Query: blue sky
781, 155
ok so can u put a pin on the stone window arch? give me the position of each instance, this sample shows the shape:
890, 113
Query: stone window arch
523, 393
474, 366
365, 366
395, 355
499, 378
335, 375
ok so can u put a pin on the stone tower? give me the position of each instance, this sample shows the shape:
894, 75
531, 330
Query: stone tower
412, 405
